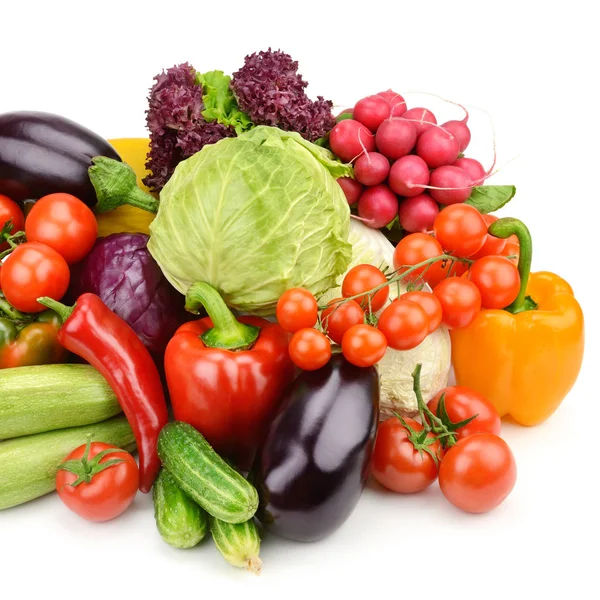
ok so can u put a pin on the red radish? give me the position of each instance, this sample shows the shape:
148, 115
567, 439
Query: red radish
372, 111
349, 139
372, 168
396, 102
351, 188
456, 182
437, 147
460, 131
395, 138
377, 206
418, 213
408, 174
473, 168
421, 118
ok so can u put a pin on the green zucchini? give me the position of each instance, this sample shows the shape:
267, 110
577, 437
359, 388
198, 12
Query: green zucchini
179, 520
239, 543
47, 397
28, 464
204, 476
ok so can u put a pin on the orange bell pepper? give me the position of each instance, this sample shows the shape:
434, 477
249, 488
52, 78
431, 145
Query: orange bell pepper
527, 357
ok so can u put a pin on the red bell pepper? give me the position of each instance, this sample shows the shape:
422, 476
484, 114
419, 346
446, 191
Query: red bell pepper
226, 377
95, 333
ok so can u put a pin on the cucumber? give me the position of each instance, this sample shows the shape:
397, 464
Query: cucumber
179, 520
48, 397
204, 476
239, 543
28, 464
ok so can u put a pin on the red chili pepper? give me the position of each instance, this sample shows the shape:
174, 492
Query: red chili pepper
226, 376
95, 333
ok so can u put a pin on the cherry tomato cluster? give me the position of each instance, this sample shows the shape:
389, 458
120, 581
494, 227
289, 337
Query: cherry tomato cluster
405, 164
36, 251
351, 321
457, 440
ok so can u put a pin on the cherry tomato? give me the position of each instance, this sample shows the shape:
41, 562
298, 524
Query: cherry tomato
338, 317
429, 303
461, 403
512, 248
492, 244
10, 211
397, 464
443, 269
404, 324
105, 494
363, 278
296, 309
33, 270
309, 349
498, 281
64, 223
414, 249
478, 473
460, 300
460, 229
363, 345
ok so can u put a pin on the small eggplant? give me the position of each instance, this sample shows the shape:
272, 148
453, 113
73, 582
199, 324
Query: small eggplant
314, 463
42, 153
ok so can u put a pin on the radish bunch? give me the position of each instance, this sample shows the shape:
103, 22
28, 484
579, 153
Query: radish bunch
405, 164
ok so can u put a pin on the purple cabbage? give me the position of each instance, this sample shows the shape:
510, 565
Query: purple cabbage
272, 92
122, 272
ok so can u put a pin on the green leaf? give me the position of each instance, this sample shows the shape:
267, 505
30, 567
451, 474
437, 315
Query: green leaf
343, 116
489, 198
219, 102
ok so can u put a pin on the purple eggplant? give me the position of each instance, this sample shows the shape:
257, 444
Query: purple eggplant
314, 463
43, 153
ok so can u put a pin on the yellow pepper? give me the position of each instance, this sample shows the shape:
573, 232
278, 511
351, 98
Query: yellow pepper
133, 151
527, 357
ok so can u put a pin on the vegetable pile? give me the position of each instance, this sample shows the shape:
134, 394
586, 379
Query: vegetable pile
292, 287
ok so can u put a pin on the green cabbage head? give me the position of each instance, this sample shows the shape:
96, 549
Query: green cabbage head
254, 216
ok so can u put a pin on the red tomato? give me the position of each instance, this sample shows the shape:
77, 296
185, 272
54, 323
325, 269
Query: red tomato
405, 325
498, 281
400, 465
309, 349
64, 223
512, 248
460, 300
492, 244
414, 249
441, 270
363, 278
339, 316
103, 495
363, 345
10, 211
461, 403
429, 303
296, 309
33, 270
460, 229
478, 473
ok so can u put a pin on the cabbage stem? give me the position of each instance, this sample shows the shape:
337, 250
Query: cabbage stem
227, 332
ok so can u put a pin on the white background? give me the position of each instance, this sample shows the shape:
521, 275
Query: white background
533, 70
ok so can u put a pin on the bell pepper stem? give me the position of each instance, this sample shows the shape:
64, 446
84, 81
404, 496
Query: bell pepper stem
115, 183
227, 332
504, 228
63, 311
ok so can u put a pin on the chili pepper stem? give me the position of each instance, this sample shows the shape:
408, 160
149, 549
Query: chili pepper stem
63, 311
227, 332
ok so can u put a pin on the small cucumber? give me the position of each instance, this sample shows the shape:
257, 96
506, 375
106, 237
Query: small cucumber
28, 464
204, 476
239, 543
43, 398
179, 520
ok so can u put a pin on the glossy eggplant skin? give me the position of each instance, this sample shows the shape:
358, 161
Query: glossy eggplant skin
313, 466
42, 153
